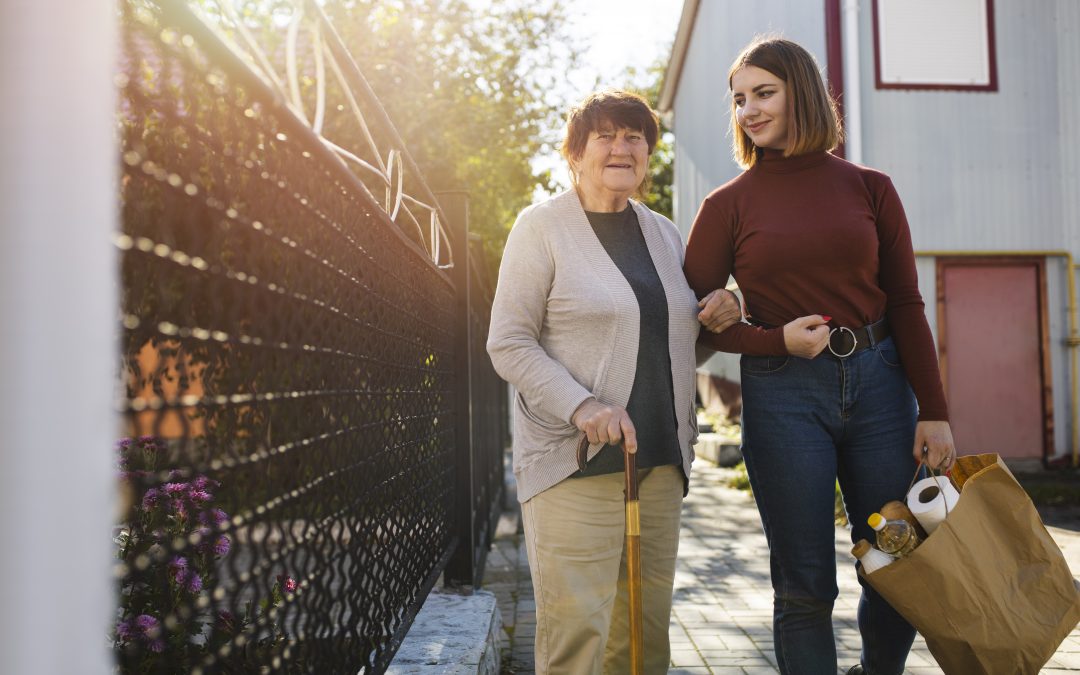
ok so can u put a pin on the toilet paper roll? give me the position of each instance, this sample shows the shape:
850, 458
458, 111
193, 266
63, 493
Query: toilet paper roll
931, 500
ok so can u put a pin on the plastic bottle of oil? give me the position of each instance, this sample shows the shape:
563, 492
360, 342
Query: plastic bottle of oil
895, 537
871, 558
896, 510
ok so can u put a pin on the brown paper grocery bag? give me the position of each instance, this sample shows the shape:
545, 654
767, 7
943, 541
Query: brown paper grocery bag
989, 590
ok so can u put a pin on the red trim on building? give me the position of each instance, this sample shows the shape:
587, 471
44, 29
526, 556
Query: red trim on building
834, 59
991, 45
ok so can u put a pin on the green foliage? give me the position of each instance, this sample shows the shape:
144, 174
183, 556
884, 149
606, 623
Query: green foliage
839, 512
473, 93
660, 196
739, 480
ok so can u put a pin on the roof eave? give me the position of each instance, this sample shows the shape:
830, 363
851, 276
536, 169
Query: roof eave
673, 72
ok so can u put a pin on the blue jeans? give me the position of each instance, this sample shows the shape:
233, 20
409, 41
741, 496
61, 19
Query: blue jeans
807, 423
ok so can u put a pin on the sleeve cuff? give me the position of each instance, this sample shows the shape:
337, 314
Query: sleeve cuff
563, 398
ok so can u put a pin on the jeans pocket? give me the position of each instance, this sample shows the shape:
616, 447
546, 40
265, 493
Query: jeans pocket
888, 354
763, 365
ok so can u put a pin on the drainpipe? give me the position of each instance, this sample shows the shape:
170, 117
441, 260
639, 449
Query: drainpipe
852, 103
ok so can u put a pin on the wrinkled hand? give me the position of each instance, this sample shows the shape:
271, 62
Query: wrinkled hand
806, 336
605, 424
720, 309
934, 445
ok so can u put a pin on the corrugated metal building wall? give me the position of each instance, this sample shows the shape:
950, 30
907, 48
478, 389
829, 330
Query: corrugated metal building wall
978, 171
703, 104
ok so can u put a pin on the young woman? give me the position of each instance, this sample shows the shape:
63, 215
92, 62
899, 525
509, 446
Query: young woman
839, 373
595, 326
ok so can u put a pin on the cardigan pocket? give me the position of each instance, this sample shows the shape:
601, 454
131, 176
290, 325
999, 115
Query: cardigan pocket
549, 424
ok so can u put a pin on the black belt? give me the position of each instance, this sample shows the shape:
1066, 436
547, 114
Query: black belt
844, 341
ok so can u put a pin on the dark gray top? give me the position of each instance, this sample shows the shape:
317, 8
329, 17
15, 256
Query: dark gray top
652, 403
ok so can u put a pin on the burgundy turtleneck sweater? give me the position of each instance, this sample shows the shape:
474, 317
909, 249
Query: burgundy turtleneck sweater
814, 234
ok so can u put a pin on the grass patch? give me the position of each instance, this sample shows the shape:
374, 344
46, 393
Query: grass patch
740, 480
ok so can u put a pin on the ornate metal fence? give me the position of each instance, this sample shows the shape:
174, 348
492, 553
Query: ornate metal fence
293, 470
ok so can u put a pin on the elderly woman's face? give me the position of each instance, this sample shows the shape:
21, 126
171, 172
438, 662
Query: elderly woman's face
614, 162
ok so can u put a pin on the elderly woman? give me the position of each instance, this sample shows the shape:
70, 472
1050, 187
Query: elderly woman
594, 325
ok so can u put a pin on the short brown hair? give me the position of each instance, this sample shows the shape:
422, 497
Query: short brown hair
813, 123
620, 109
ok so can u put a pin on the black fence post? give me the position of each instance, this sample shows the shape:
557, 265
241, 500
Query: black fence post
462, 569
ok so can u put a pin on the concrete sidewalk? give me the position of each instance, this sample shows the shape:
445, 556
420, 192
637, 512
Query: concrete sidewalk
722, 618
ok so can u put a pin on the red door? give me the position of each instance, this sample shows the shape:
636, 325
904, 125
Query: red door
991, 331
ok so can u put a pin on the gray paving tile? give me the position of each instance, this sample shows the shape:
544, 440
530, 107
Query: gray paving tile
722, 611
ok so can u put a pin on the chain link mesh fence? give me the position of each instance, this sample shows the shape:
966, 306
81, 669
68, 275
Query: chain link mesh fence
288, 466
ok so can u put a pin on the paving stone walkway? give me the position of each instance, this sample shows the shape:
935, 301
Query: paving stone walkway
722, 618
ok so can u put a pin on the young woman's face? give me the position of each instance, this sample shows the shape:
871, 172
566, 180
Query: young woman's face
761, 106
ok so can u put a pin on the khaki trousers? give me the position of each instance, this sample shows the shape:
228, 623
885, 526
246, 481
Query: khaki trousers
574, 534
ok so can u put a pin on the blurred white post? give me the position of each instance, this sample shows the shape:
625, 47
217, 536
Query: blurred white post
58, 317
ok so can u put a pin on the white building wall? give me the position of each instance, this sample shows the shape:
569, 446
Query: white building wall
984, 171
992, 171
1067, 21
976, 170
702, 105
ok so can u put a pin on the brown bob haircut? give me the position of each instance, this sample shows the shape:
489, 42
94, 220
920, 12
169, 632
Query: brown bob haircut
813, 123
615, 108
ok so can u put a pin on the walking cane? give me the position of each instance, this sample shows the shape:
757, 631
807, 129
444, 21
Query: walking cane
633, 554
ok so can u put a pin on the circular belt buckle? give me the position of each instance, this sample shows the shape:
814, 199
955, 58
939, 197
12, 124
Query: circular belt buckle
854, 342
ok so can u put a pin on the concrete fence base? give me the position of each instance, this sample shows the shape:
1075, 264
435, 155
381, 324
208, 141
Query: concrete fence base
452, 635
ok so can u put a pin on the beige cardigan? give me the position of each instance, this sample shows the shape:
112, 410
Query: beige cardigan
564, 327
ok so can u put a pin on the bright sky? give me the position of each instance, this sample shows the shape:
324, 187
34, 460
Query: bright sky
619, 34
622, 33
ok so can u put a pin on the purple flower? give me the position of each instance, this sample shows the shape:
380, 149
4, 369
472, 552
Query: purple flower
201, 482
180, 509
150, 444
222, 546
225, 621
175, 488
194, 582
151, 499
213, 517
183, 576
178, 566
144, 628
199, 496
219, 516
123, 451
286, 583
218, 547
